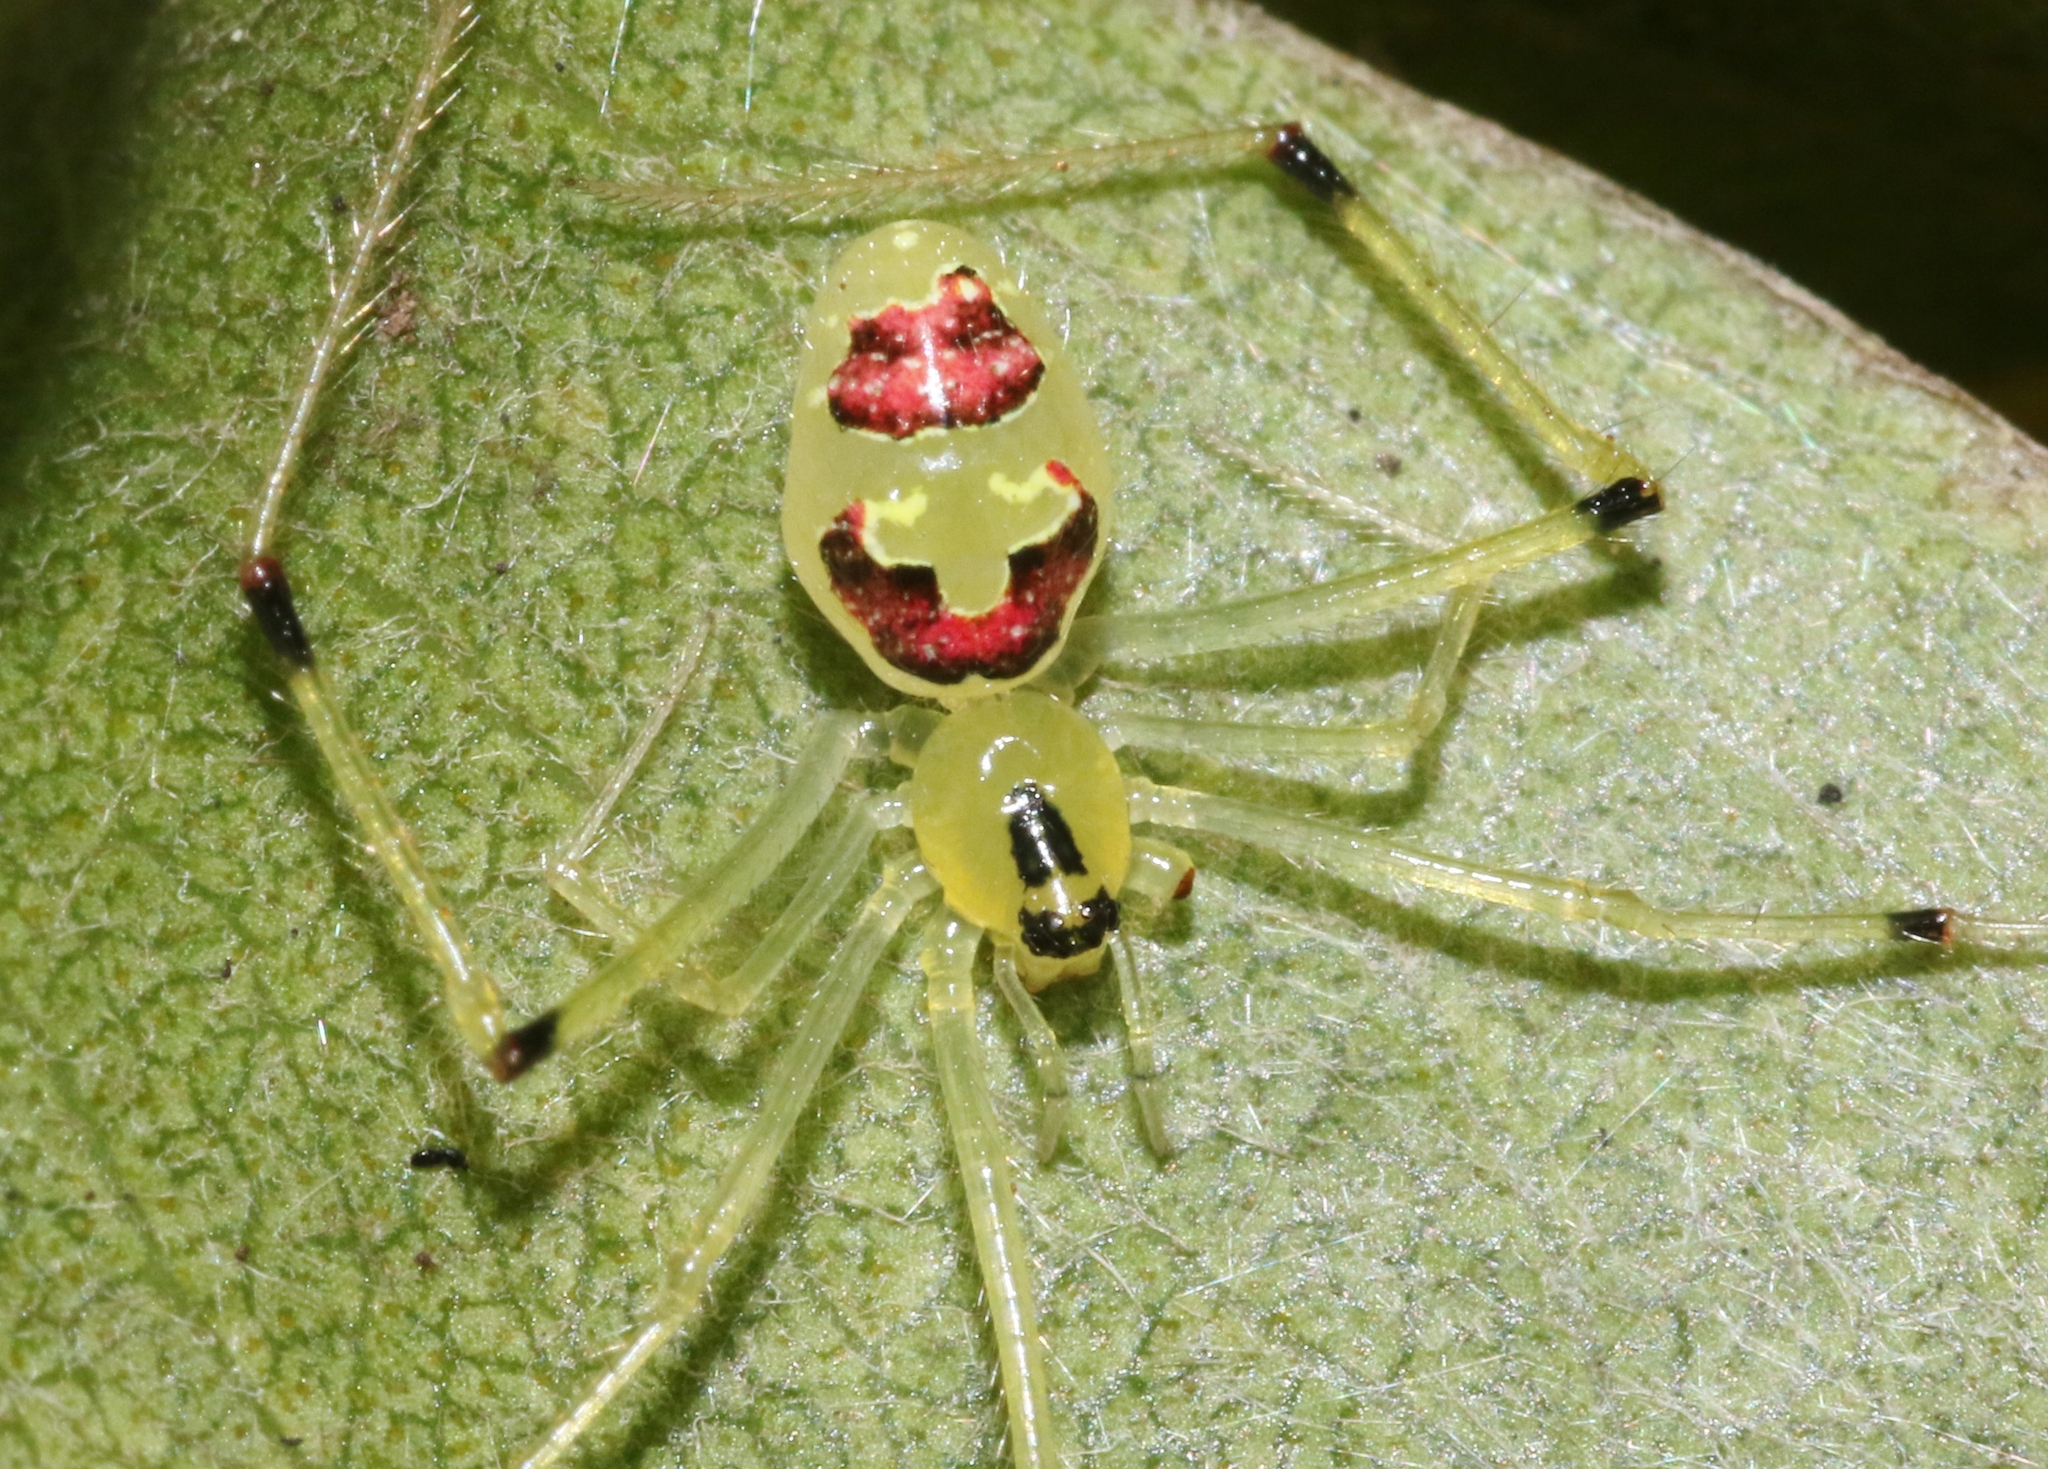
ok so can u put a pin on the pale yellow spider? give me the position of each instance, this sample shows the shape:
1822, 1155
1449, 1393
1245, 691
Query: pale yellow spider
948, 501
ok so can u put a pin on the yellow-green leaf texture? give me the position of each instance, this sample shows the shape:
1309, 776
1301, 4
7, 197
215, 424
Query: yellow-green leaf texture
1455, 1187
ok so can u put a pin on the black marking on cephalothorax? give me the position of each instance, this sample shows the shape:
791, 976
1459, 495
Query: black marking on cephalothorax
1041, 842
1050, 934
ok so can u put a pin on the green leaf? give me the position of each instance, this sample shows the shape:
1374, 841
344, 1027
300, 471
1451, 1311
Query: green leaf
1454, 1186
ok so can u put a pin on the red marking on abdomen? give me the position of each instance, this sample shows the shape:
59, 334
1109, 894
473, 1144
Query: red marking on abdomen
953, 363
905, 612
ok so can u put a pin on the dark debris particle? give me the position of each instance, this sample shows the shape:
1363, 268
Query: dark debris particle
398, 314
338, 203
1831, 795
1355, 415
440, 1158
241, 1254
227, 969
560, 65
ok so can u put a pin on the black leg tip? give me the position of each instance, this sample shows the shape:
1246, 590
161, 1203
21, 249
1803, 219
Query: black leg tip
1294, 155
1622, 503
1924, 926
269, 596
524, 1049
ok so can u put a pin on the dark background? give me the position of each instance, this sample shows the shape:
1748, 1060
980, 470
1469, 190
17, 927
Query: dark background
1890, 157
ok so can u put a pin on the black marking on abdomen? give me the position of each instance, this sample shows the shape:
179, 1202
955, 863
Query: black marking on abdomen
1049, 935
1041, 842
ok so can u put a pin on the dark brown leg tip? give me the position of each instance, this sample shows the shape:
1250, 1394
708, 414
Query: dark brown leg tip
1924, 926
1294, 155
1622, 503
524, 1049
269, 596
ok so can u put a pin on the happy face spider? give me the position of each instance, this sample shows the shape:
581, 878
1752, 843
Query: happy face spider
948, 503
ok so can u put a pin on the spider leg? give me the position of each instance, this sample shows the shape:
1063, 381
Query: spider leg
1366, 857
1048, 1061
1147, 1085
1146, 637
1397, 738
564, 868
986, 181
784, 1097
948, 960
1598, 458
881, 192
655, 951
471, 995
1159, 873
833, 865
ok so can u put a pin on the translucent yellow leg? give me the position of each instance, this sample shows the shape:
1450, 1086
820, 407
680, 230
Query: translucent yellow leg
948, 959
1146, 1086
833, 864
1592, 455
1286, 147
1159, 874
1396, 738
741, 1187
1279, 616
471, 995
351, 298
472, 998
656, 952
881, 192
1048, 1061
564, 866
1365, 857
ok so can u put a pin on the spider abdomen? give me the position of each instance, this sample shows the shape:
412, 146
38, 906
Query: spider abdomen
949, 494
